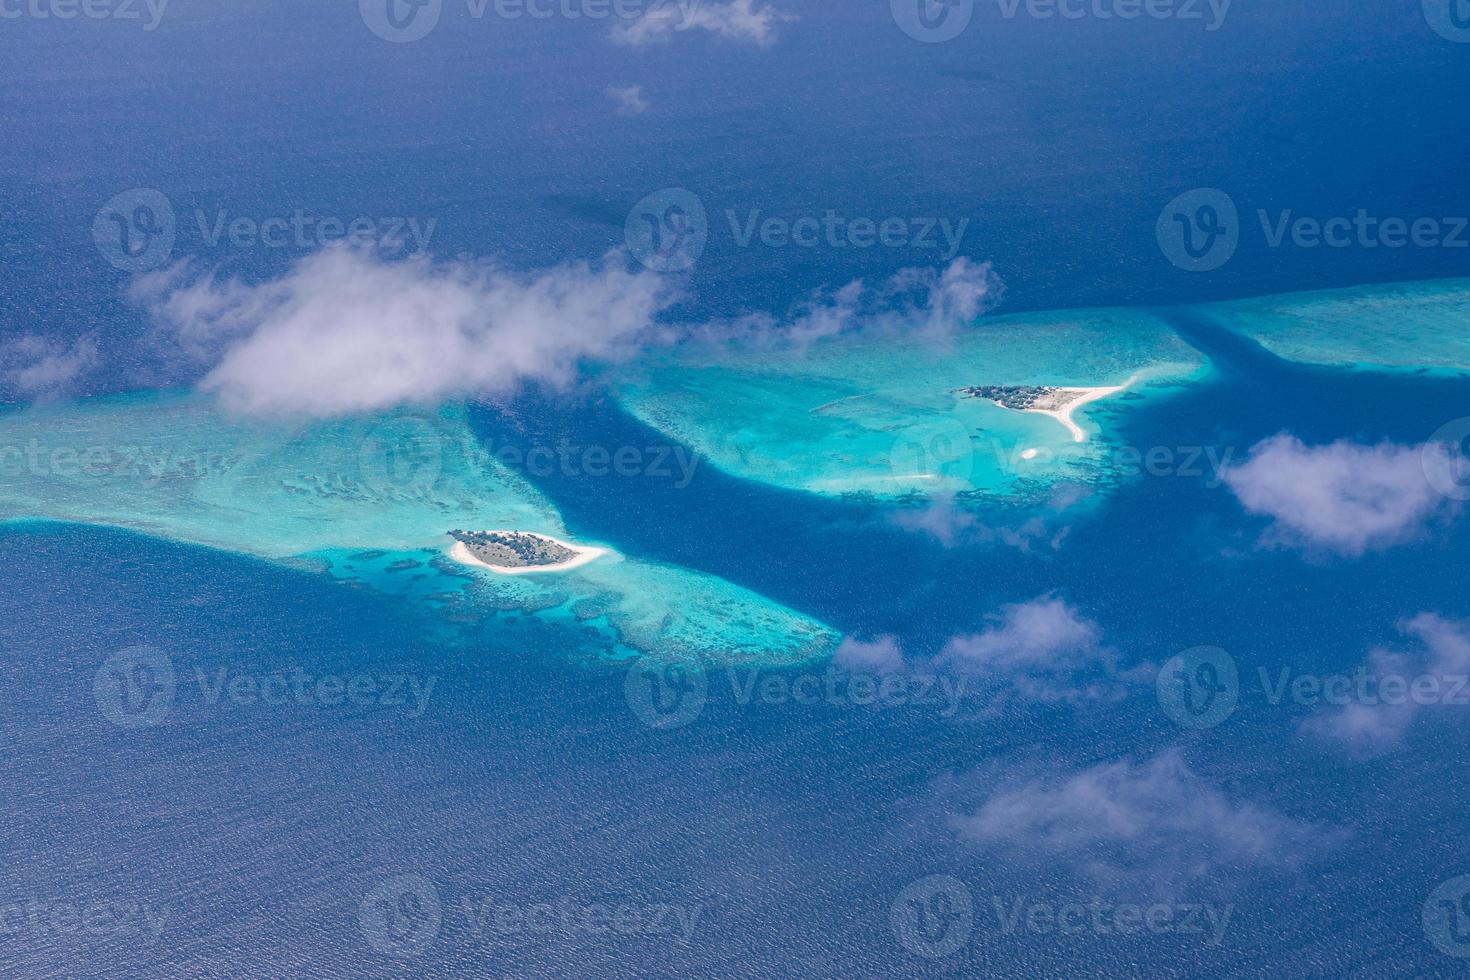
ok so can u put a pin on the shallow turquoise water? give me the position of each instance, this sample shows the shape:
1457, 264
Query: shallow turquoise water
370, 500
262, 830
174, 466
1403, 326
881, 415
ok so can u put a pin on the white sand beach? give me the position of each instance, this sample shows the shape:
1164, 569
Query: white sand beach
1061, 403
460, 552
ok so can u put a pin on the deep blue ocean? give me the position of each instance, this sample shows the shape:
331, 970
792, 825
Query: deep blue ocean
255, 834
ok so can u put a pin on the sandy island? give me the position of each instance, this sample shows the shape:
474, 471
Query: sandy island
579, 555
1057, 403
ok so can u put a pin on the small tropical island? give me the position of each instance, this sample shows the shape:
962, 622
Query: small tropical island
1058, 403
518, 552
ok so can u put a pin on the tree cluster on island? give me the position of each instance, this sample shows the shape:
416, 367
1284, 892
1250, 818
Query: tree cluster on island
513, 549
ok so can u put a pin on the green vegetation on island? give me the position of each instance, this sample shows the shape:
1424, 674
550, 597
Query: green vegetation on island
513, 549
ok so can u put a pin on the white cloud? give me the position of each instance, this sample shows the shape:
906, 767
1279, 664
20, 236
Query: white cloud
1377, 716
881, 654
733, 20
952, 298
628, 99
39, 366
1043, 632
1341, 497
951, 526
1043, 648
941, 520
346, 332
1158, 818
925, 302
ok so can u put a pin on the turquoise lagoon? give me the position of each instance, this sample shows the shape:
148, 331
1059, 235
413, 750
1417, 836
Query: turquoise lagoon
1397, 326
881, 416
368, 500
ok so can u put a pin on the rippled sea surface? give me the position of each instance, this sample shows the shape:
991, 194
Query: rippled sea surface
264, 729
